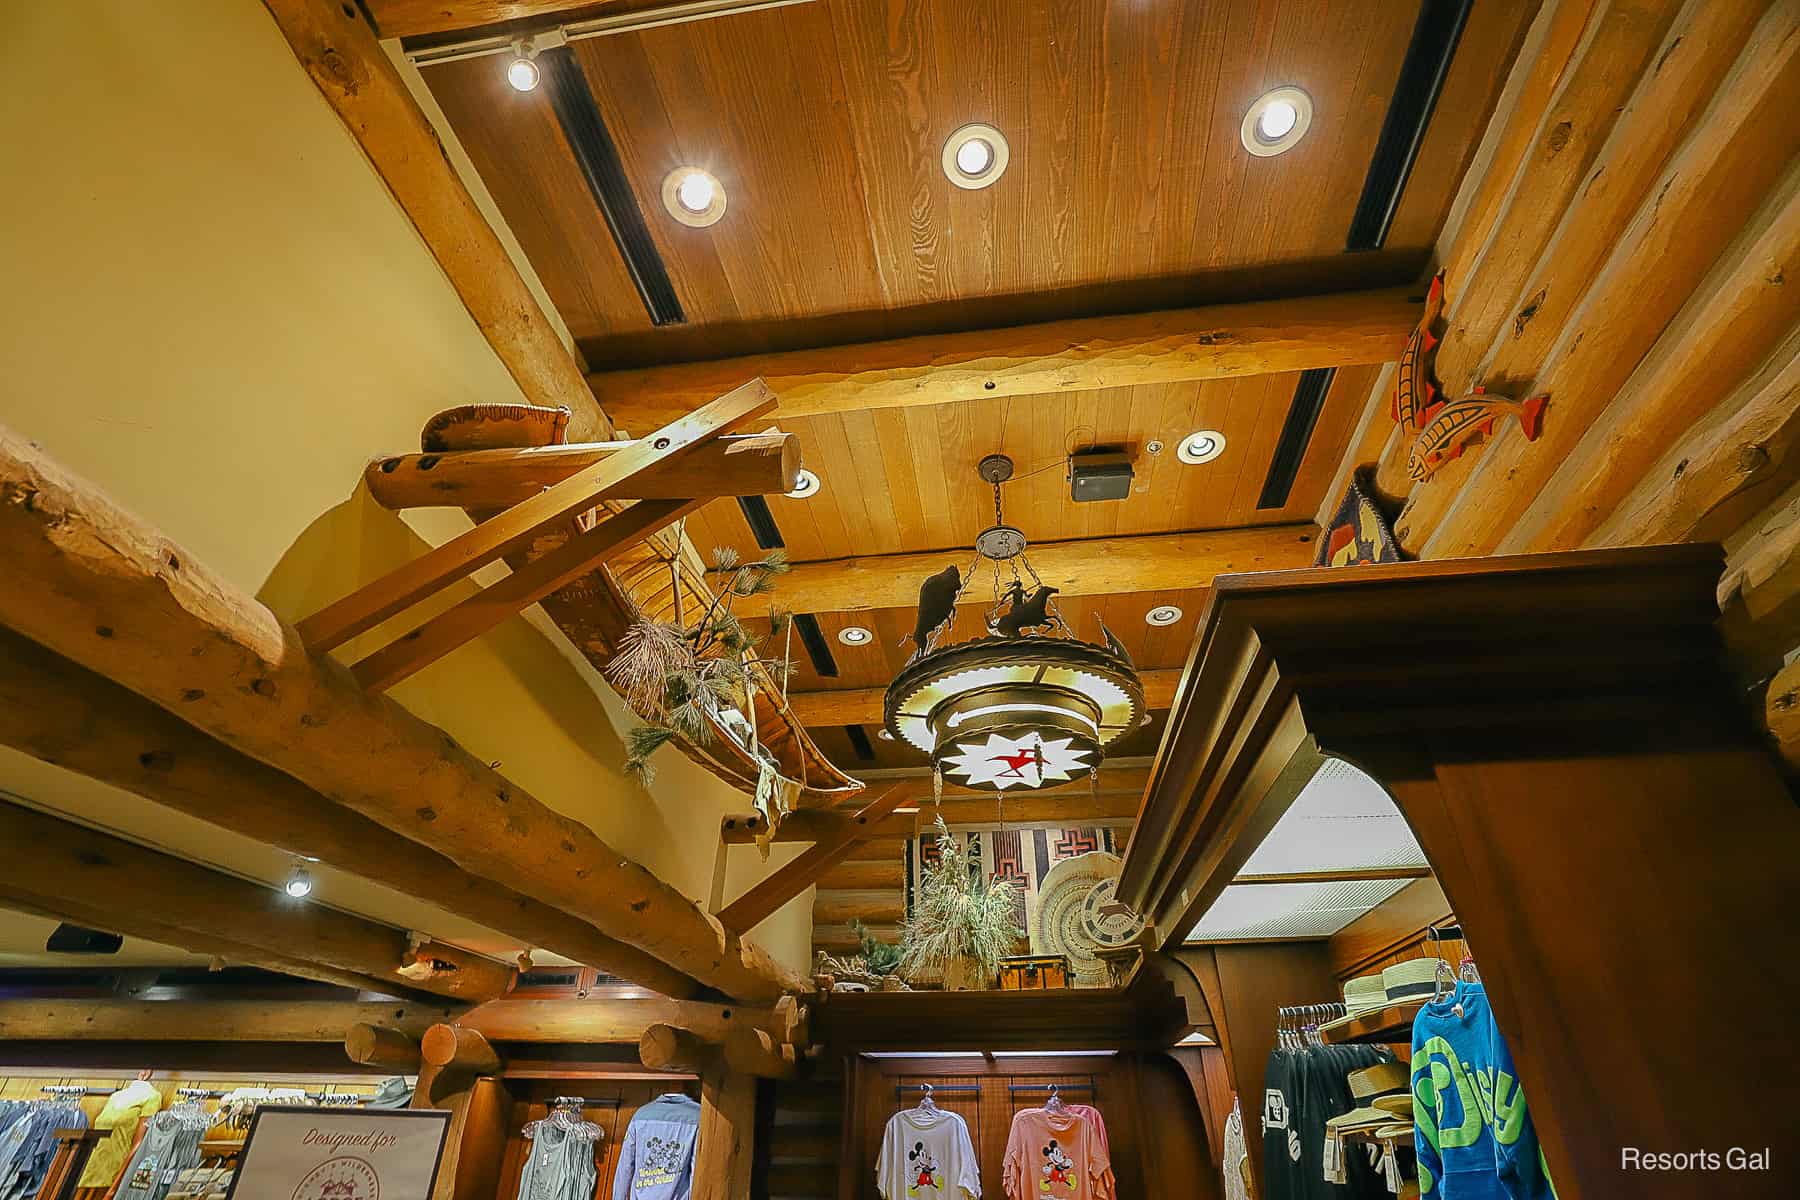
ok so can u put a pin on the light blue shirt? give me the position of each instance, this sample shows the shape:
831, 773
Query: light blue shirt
657, 1160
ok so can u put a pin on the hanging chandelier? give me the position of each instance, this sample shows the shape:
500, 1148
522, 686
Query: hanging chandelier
1029, 704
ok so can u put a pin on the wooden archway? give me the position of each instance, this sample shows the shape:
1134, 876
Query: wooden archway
1562, 735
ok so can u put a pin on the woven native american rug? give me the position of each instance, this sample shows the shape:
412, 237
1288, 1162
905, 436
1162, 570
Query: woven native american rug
1022, 854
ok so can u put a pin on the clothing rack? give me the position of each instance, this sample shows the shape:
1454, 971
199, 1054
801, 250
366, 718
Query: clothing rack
585, 1102
198, 1093
1052, 1088
1298, 1025
1444, 933
900, 1089
74, 1089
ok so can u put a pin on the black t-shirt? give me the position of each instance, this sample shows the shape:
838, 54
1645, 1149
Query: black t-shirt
1302, 1090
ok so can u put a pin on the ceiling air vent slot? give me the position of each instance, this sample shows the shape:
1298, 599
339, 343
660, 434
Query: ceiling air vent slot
598, 157
817, 648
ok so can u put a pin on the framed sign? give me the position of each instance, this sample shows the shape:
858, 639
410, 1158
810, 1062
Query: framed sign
299, 1153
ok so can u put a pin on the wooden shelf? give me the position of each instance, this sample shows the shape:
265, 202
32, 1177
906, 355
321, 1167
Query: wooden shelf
1391, 1024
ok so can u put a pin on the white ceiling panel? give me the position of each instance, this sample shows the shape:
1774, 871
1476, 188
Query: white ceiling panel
1291, 910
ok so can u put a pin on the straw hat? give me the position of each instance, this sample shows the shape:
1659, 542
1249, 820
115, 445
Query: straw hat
1414, 979
1364, 994
1382, 1093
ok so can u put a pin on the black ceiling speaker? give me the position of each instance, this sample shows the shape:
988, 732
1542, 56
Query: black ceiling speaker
1099, 475
74, 939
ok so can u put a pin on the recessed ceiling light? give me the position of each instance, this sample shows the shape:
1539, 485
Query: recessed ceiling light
1201, 447
855, 635
522, 72
299, 883
806, 485
1163, 614
693, 197
1276, 121
975, 156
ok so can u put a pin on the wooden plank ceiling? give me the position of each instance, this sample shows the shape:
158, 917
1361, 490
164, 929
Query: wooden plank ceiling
1127, 190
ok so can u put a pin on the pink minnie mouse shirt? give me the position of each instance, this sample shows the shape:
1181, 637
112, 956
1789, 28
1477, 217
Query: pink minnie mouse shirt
1056, 1156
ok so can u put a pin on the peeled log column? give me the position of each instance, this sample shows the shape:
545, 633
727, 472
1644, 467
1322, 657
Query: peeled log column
74, 868
668, 1048
379, 1046
65, 714
1781, 712
755, 1052
96, 585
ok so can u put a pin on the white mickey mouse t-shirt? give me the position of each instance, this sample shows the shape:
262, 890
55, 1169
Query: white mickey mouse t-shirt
926, 1154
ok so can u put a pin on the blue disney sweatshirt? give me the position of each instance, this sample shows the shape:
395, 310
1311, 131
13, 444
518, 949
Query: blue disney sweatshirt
656, 1160
1473, 1135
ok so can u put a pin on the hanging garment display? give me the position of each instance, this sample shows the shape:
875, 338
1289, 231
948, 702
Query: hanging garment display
561, 1163
120, 1116
926, 1152
656, 1161
1053, 1154
170, 1145
1473, 1133
1236, 1157
28, 1144
1382, 1099
1304, 1086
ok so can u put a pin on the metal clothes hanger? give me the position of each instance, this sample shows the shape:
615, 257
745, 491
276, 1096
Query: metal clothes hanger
926, 1103
1055, 1103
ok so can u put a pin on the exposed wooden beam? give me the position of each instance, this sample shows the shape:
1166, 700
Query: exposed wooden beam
484, 978
757, 1052
1759, 597
750, 464
886, 906
66, 714
788, 881
1090, 567
863, 706
416, 18
339, 51
380, 1046
611, 1019
1117, 803
513, 529
1391, 926
672, 1048
87, 875
114, 1020
1213, 342
470, 618
95, 584
448, 1045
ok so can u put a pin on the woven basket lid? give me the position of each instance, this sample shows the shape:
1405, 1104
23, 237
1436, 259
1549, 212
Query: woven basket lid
494, 427
1076, 914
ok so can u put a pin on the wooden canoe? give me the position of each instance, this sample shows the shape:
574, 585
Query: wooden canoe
596, 610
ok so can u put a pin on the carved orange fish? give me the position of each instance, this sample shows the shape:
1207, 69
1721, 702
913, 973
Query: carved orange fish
1413, 390
1450, 426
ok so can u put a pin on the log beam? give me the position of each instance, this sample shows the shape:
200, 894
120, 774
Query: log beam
86, 876
94, 584
381, 1046
751, 464
672, 1048
726, 1143
115, 1020
1090, 567
478, 978
1116, 804
757, 1052
339, 52
417, 18
457, 1047
1217, 341
864, 706
789, 880
67, 715
612, 1020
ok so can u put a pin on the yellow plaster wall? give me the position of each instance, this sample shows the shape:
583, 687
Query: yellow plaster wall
213, 308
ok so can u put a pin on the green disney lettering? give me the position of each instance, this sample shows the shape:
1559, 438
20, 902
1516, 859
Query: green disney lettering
1435, 1068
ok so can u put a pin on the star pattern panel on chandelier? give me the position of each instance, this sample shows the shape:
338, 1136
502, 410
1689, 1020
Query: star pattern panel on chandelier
1029, 761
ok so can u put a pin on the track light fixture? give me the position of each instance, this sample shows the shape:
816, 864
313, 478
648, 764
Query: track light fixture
299, 883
